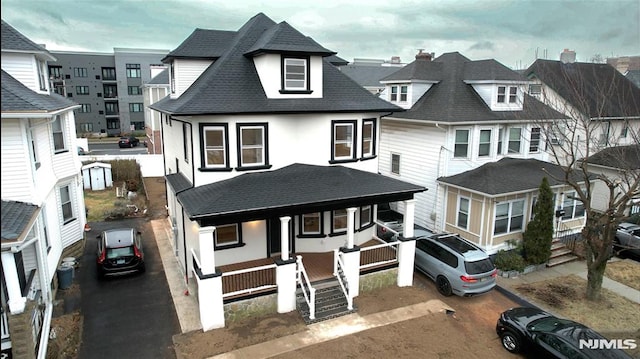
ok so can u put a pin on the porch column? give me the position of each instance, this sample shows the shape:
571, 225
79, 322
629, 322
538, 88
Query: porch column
210, 301
284, 238
351, 261
286, 282
409, 213
10, 273
407, 247
207, 254
351, 220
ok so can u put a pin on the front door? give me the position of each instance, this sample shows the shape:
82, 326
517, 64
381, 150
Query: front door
274, 236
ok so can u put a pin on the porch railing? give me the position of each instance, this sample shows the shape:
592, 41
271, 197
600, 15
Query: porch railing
338, 271
4, 330
308, 291
246, 281
379, 254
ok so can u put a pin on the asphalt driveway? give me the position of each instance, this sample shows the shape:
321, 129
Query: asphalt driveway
126, 317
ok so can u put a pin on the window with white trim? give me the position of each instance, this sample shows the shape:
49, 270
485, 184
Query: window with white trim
312, 223
368, 138
58, 134
484, 145
65, 204
343, 140
572, 206
252, 145
502, 91
509, 217
463, 213
339, 220
534, 142
461, 146
500, 139
215, 146
513, 94
295, 74
394, 93
515, 135
365, 216
226, 235
404, 90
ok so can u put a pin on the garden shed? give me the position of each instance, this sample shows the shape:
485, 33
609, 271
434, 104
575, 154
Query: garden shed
97, 176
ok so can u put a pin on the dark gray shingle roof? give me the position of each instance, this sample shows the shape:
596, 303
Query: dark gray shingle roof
622, 157
508, 175
369, 76
16, 217
634, 76
178, 182
203, 44
160, 79
283, 37
16, 97
13, 40
596, 90
231, 86
289, 187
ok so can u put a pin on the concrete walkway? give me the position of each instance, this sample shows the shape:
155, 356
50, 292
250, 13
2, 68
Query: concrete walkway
187, 309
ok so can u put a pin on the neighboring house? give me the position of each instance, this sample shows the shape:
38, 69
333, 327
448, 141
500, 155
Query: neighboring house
368, 72
619, 164
43, 213
156, 89
624, 63
271, 161
498, 201
633, 76
460, 114
108, 87
590, 93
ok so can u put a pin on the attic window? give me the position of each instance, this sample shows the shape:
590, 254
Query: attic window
295, 75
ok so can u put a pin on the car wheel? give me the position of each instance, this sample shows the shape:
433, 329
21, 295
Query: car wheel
444, 287
510, 341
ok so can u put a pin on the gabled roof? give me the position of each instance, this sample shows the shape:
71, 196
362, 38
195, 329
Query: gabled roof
253, 195
596, 90
618, 157
16, 218
160, 79
452, 100
231, 86
203, 44
283, 37
634, 76
508, 175
17, 98
12, 40
368, 76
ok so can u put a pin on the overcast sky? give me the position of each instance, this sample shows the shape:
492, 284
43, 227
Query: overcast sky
512, 32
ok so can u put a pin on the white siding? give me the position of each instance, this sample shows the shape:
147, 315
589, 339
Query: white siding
17, 183
186, 73
269, 70
22, 67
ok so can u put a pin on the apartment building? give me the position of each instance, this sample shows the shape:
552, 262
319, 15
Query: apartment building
108, 87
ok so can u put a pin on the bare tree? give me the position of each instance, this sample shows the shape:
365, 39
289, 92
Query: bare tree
601, 112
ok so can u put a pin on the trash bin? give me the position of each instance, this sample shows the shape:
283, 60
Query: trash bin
65, 276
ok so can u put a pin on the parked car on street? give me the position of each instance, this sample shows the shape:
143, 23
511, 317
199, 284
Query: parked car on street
82, 152
627, 241
543, 335
119, 252
128, 141
456, 265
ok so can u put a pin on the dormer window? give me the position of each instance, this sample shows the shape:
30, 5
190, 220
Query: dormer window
502, 94
295, 75
403, 93
394, 93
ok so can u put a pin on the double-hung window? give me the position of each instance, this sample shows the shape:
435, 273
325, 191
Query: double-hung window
339, 221
215, 146
463, 213
295, 74
365, 216
404, 89
311, 223
515, 134
572, 206
509, 217
534, 142
368, 138
226, 235
513, 94
252, 145
461, 146
395, 163
58, 134
502, 91
343, 138
394, 93
66, 204
484, 145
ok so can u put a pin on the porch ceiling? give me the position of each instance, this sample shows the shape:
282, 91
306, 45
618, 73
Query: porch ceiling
292, 190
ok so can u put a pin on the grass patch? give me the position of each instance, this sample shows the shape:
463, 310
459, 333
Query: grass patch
103, 205
625, 271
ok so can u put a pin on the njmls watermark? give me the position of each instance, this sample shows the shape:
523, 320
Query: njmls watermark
607, 344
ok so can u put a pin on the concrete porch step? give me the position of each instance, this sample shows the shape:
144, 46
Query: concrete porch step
561, 251
554, 261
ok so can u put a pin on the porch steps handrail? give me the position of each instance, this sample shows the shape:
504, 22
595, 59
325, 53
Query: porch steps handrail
338, 272
249, 270
303, 280
392, 245
4, 330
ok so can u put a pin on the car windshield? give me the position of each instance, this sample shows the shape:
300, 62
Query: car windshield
478, 267
549, 324
119, 252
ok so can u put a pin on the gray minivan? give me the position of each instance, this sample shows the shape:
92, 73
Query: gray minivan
456, 265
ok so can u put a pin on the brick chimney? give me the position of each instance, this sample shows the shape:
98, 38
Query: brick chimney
423, 56
568, 56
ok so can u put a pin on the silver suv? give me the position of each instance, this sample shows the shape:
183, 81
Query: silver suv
456, 265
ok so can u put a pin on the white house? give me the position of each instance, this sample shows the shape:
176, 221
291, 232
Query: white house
154, 90
271, 159
460, 114
43, 209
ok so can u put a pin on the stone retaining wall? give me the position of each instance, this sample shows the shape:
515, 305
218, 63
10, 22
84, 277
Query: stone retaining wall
249, 308
377, 280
